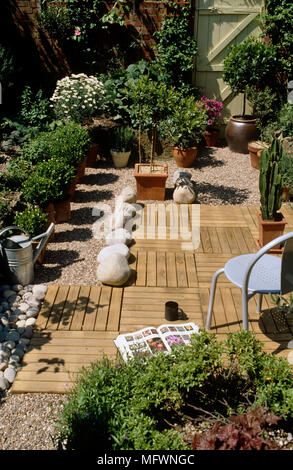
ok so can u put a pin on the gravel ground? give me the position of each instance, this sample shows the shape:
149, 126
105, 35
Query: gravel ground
27, 421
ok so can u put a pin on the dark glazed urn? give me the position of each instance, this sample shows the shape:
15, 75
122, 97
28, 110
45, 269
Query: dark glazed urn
239, 131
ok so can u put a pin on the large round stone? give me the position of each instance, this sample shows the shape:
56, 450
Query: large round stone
109, 250
128, 194
119, 236
114, 271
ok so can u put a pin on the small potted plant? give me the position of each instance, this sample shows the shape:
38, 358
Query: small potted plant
34, 221
122, 139
249, 65
271, 185
214, 110
49, 184
184, 127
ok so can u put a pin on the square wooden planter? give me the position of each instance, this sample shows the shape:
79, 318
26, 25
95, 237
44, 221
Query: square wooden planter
268, 231
151, 185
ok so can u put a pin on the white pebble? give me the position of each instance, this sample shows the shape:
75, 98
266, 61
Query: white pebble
10, 374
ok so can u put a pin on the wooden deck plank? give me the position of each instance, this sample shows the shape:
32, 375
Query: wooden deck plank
181, 270
141, 268
69, 308
161, 269
47, 306
103, 308
191, 270
80, 308
56, 312
171, 270
151, 269
91, 308
115, 310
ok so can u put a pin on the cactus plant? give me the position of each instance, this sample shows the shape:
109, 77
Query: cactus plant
271, 181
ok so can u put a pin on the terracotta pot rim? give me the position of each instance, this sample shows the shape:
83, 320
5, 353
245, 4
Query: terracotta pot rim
274, 222
183, 149
152, 175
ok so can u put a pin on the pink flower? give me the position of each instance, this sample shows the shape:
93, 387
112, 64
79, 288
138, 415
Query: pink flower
77, 32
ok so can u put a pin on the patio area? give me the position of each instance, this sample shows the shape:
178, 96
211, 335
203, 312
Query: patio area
78, 323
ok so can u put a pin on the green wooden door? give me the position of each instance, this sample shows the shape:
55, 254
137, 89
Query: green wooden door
218, 25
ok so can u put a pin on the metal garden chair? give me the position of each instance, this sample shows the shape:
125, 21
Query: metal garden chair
259, 273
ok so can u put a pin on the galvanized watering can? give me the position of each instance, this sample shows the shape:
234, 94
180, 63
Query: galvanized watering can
17, 254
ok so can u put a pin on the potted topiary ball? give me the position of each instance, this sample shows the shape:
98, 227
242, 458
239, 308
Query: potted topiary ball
249, 65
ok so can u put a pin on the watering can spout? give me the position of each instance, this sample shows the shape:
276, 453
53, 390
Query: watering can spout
43, 237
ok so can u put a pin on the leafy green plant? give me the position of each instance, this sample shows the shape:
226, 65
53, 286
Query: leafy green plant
54, 18
49, 182
9, 202
251, 64
69, 143
35, 111
286, 166
276, 24
7, 66
122, 138
185, 122
176, 47
270, 180
32, 219
283, 304
134, 405
265, 105
16, 173
150, 101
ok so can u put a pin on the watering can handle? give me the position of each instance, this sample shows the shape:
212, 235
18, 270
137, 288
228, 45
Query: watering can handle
13, 227
44, 237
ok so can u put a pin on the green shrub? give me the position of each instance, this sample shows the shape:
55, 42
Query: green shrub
32, 219
130, 405
48, 182
68, 142
35, 111
16, 173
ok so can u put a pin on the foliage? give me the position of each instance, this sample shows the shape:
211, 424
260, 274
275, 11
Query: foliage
55, 19
251, 64
35, 111
286, 166
213, 109
68, 143
265, 105
49, 182
16, 172
150, 102
285, 120
283, 304
7, 66
131, 405
270, 180
176, 47
276, 23
34, 117
122, 138
78, 97
32, 219
244, 432
185, 122
9, 201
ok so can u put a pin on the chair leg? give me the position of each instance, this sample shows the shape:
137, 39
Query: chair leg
212, 297
259, 303
244, 310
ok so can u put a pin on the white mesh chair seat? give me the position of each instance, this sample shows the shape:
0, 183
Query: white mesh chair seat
258, 273
265, 275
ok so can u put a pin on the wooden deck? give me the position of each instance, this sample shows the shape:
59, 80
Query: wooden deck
77, 324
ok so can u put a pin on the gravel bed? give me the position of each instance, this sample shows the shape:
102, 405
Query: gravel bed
27, 421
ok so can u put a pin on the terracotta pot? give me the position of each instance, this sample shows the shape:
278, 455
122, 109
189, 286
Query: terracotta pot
211, 137
80, 171
184, 158
63, 211
239, 131
150, 185
91, 158
120, 159
255, 150
72, 188
269, 230
50, 210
